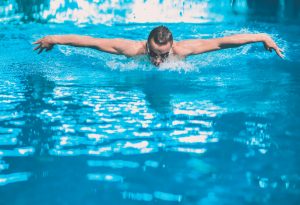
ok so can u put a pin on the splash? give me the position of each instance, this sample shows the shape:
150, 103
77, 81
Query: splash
197, 63
142, 63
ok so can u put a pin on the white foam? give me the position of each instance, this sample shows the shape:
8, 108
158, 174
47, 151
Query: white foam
141, 63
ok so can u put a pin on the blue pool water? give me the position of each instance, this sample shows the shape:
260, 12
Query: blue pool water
78, 126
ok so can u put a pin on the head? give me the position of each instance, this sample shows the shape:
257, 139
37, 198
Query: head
159, 44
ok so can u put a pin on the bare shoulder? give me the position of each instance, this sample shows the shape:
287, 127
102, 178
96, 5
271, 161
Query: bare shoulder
185, 47
140, 47
131, 48
195, 46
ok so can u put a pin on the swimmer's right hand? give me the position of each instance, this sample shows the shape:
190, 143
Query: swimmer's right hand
44, 43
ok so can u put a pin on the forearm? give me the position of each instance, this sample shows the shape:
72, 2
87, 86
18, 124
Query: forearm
240, 39
73, 40
102, 44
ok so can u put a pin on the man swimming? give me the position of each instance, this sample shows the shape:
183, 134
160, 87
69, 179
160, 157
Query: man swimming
159, 46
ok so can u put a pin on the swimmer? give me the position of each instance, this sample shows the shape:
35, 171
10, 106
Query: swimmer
159, 45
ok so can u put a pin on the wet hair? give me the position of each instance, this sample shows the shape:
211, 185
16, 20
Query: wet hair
161, 35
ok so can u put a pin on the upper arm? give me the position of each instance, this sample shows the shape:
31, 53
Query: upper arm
197, 46
118, 46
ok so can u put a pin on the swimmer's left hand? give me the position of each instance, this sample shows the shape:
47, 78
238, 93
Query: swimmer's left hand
271, 45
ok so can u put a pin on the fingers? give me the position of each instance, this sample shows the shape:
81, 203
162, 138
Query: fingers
271, 45
37, 42
279, 52
48, 49
37, 47
41, 50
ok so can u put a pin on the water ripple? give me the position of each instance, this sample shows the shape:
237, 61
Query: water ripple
14, 177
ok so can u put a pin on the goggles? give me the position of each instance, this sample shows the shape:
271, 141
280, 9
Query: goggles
152, 54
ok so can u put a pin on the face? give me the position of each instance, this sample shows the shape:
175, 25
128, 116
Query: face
158, 53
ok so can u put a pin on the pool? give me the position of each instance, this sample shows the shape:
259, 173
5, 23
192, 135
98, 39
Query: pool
78, 126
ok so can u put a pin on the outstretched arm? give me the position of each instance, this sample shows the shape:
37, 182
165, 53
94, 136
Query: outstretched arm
197, 46
114, 46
